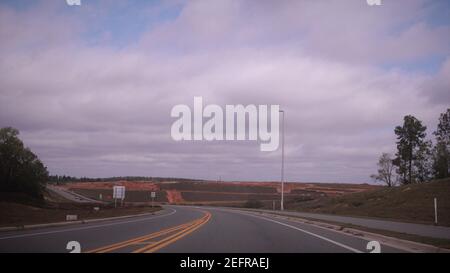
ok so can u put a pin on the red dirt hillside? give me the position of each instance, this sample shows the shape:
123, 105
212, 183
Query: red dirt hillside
174, 196
209, 192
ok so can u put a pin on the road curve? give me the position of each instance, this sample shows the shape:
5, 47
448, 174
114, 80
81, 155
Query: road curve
183, 229
70, 195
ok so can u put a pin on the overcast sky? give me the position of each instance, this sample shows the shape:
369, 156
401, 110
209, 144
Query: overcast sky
91, 87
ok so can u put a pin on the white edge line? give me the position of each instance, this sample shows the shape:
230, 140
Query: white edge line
305, 231
88, 227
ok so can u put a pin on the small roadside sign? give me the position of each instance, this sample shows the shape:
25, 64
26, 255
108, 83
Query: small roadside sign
152, 195
71, 217
119, 192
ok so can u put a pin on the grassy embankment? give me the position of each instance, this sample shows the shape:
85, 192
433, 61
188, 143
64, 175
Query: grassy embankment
411, 203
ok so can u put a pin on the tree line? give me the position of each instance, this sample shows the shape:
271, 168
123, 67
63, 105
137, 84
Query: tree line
20, 169
61, 179
417, 158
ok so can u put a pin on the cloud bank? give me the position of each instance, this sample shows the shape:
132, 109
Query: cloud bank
91, 87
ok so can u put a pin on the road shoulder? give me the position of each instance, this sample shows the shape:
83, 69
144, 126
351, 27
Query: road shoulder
413, 243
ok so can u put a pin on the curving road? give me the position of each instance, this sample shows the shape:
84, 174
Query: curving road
70, 195
188, 230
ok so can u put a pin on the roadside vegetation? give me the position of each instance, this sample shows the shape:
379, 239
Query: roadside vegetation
417, 158
20, 169
410, 203
418, 173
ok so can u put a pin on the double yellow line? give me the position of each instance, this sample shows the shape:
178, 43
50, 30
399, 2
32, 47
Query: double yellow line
169, 236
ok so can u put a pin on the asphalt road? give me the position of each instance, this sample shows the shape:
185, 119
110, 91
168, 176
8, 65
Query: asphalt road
188, 230
70, 195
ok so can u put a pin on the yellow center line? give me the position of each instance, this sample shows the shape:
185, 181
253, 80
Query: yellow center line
137, 240
175, 237
144, 243
185, 229
155, 247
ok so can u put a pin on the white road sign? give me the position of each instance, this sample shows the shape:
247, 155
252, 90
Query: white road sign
153, 194
119, 192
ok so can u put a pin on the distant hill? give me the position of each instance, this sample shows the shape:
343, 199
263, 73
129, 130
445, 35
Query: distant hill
213, 192
408, 203
61, 179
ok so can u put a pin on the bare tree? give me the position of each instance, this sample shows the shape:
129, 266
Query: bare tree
386, 170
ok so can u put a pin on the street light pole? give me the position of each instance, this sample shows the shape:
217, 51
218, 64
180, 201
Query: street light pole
282, 163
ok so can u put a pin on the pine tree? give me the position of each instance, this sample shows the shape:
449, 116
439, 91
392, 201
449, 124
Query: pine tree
412, 151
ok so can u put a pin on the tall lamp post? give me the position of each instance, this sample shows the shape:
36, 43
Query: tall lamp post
282, 162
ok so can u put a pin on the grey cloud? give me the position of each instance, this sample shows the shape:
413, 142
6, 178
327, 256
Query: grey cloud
98, 111
437, 87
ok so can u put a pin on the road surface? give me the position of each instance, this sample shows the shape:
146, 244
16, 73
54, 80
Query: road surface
188, 230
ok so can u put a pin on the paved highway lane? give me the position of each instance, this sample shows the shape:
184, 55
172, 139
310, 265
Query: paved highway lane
188, 229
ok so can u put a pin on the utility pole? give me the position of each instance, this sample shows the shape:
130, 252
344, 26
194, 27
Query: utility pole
282, 162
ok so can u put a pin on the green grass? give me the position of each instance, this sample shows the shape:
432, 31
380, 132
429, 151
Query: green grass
411, 203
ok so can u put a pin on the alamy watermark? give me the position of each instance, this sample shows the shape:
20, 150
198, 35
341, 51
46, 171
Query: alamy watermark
73, 2
211, 122
374, 2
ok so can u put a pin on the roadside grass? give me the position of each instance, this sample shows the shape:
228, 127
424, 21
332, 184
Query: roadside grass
410, 203
442, 243
437, 242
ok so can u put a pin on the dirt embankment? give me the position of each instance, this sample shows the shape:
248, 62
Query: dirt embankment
213, 191
174, 197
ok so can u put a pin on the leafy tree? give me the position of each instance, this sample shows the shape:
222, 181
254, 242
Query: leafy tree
412, 151
20, 169
441, 152
386, 170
